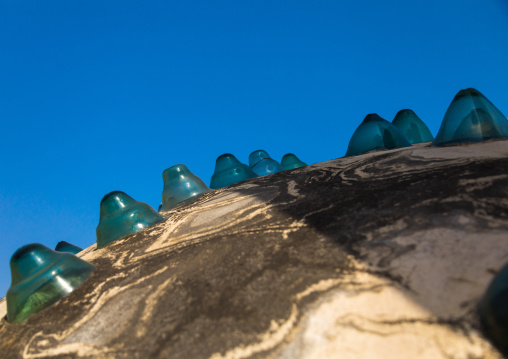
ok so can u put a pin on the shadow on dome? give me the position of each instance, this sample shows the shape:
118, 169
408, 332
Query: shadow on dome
471, 117
375, 133
40, 277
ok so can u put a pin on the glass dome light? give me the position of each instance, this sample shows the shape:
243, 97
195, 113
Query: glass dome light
493, 310
375, 133
64, 246
411, 126
290, 161
229, 170
40, 277
257, 156
121, 215
262, 164
471, 117
181, 186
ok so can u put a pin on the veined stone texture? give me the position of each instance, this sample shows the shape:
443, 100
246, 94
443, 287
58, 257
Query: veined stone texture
381, 255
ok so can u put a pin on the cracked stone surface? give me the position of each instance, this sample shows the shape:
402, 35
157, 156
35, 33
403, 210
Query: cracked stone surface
382, 255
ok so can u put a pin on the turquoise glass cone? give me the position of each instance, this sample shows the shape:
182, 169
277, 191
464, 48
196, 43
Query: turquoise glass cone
493, 310
290, 161
40, 277
121, 215
375, 133
411, 126
262, 164
267, 166
471, 117
228, 170
257, 156
64, 246
181, 186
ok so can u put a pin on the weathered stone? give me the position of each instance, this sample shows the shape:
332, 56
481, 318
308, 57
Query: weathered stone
382, 255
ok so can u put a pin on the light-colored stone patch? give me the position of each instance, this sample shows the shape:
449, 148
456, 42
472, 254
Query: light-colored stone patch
209, 218
221, 199
370, 318
278, 332
248, 185
434, 269
212, 214
109, 315
266, 341
86, 252
149, 308
292, 189
487, 149
80, 349
114, 316
3, 308
480, 183
293, 227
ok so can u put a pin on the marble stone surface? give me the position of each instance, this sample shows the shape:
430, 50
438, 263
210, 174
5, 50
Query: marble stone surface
382, 255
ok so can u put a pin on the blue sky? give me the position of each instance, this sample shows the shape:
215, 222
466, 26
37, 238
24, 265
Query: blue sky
98, 96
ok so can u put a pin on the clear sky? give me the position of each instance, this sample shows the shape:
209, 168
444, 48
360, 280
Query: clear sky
102, 95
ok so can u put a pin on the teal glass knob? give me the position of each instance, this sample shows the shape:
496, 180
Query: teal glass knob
471, 117
375, 133
262, 164
64, 246
493, 310
40, 277
411, 126
228, 170
257, 156
121, 215
290, 161
181, 186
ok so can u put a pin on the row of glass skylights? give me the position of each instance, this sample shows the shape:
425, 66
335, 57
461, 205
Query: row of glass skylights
40, 276
471, 117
